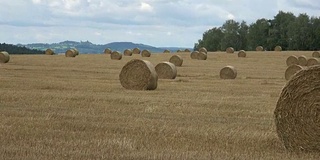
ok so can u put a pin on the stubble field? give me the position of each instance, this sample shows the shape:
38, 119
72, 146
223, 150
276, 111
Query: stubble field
54, 107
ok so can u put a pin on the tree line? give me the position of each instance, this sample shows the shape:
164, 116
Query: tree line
13, 49
291, 32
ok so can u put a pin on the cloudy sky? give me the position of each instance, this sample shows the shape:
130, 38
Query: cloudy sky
161, 23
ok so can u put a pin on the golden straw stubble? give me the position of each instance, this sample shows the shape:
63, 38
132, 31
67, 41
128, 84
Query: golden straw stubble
228, 72
4, 57
166, 70
297, 112
291, 70
138, 74
177, 60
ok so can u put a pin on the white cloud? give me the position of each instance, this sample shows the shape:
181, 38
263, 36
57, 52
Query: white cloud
102, 21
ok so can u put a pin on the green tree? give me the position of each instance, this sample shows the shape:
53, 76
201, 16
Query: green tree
300, 34
258, 34
231, 37
243, 34
315, 33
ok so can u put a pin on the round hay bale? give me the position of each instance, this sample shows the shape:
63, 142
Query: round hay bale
166, 70
145, 53
116, 55
127, 52
70, 53
302, 60
278, 48
228, 72
313, 61
259, 48
166, 51
107, 51
297, 112
194, 54
139, 75
49, 52
75, 51
136, 51
203, 49
202, 56
186, 50
316, 54
292, 60
4, 57
179, 50
176, 60
291, 70
242, 53
230, 50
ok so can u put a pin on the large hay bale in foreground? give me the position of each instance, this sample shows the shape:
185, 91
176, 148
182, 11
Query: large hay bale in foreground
242, 53
70, 53
291, 70
145, 53
292, 60
202, 56
297, 113
116, 55
136, 51
166, 70
127, 52
49, 52
230, 50
302, 60
259, 48
194, 55
176, 60
166, 51
107, 51
228, 72
313, 61
203, 49
138, 75
4, 57
316, 54
278, 48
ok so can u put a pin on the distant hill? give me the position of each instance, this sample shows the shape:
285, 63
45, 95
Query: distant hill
90, 48
13, 49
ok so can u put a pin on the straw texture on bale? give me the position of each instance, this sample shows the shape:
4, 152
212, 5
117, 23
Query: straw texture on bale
49, 52
136, 51
203, 49
116, 55
75, 51
230, 50
297, 112
145, 53
139, 75
107, 51
202, 56
316, 54
186, 50
4, 57
70, 53
242, 53
278, 48
166, 51
302, 60
194, 55
292, 60
166, 70
291, 70
313, 61
228, 72
259, 48
127, 52
176, 60
179, 50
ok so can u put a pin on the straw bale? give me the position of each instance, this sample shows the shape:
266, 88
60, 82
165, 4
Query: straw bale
242, 53
297, 112
145, 53
291, 70
303, 61
139, 75
292, 60
313, 61
116, 55
176, 60
4, 57
228, 72
127, 52
166, 70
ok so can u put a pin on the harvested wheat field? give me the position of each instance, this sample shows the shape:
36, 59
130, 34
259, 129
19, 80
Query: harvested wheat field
53, 107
